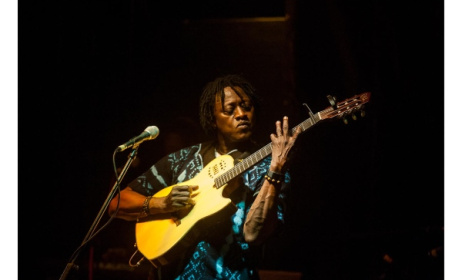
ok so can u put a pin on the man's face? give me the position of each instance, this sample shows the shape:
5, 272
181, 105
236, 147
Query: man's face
234, 117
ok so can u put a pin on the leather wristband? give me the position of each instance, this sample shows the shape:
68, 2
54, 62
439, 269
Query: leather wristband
274, 177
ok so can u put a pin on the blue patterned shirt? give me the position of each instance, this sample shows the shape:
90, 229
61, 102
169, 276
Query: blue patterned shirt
221, 252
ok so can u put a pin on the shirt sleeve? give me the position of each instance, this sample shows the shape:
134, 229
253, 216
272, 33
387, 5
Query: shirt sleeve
169, 170
154, 179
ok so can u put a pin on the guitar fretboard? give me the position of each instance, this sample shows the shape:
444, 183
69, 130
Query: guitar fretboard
257, 156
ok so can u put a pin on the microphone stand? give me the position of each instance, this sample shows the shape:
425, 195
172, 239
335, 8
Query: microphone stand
101, 213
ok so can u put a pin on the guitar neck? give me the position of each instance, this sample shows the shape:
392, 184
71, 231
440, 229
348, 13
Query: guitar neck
341, 109
259, 155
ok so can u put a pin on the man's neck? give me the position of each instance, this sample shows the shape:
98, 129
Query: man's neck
225, 148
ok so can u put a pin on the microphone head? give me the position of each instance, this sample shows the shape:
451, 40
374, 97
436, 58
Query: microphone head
153, 131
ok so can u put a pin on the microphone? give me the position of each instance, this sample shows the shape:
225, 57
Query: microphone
149, 133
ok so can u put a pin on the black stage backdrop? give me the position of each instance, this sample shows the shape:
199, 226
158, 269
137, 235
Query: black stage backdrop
368, 196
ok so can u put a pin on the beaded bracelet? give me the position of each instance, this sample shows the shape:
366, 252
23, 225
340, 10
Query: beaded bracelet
146, 205
274, 177
145, 208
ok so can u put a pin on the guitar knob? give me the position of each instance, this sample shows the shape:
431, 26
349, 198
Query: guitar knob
353, 116
363, 113
345, 120
332, 101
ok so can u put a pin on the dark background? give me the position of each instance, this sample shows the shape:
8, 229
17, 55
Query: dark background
93, 74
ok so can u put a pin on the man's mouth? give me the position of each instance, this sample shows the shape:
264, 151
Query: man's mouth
244, 125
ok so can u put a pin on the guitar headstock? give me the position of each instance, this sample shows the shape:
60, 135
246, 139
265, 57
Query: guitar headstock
346, 107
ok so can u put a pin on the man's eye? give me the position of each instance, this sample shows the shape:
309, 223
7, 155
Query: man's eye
247, 107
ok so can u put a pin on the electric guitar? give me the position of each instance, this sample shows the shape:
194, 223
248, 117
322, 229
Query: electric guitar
166, 237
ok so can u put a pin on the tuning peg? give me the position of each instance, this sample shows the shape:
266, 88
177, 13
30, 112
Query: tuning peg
363, 113
353, 116
332, 101
345, 120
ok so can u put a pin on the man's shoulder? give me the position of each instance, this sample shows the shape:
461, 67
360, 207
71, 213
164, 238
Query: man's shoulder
201, 148
197, 146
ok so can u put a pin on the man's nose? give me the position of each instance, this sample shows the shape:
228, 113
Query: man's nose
240, 113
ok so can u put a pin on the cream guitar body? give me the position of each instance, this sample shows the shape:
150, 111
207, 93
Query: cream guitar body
162, 239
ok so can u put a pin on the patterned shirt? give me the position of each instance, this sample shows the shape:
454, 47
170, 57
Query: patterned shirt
221, 252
